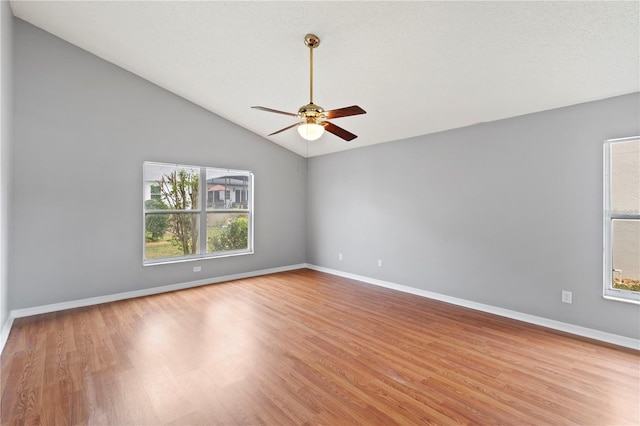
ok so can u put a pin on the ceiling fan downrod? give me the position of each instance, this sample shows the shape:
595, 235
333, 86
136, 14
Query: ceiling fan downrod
312, 41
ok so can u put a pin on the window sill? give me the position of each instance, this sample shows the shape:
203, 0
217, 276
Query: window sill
615, 297
195, 258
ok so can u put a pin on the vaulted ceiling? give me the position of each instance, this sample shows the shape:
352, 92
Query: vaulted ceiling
415, 67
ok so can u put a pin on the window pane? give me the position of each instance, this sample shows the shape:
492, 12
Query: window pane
626, 254
227, 190
227, 232
625, 177
171, 235
175, 186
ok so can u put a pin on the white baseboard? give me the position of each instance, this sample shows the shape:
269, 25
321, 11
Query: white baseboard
4, 333
36, 310
532, 319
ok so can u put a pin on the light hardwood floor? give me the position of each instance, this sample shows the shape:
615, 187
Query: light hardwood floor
304, 347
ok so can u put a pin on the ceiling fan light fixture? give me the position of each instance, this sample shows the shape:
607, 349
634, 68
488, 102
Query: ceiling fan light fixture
311, 131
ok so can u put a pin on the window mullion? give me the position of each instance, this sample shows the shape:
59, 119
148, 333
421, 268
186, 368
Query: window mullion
608, 261
203, 211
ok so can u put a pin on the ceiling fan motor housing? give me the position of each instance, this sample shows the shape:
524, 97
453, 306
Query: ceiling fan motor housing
311, 112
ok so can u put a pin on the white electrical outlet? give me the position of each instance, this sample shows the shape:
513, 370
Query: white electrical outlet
567, 296
380, 263
340, 257
197, 268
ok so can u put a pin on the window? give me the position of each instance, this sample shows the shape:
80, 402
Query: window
622, 219
193, 212
155, 192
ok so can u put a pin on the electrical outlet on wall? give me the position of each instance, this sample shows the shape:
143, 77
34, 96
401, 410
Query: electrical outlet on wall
380, 263
197, 268
340, 257
567, 296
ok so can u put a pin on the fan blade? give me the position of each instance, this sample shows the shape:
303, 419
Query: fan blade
274, 110
345, 112
338, 131
282, 130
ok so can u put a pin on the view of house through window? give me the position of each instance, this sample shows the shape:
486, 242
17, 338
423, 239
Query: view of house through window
622, 219
194, 212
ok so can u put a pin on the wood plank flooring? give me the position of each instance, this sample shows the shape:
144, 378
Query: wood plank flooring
303, 347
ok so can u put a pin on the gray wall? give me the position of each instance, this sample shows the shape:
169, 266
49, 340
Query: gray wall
83, 128
507, 213
6, 135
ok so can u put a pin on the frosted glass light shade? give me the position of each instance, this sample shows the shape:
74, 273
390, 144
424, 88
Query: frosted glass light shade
310, 131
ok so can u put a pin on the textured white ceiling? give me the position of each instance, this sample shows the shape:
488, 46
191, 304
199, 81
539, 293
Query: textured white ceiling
415, 67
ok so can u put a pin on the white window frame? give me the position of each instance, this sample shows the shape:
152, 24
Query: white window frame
609, 292
202, 214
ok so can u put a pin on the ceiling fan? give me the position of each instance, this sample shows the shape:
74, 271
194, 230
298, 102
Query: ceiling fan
314, 118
